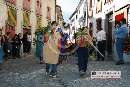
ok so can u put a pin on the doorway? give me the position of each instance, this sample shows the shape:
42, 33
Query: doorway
109, 39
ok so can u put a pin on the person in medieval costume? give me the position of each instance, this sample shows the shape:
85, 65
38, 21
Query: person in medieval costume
83, 41
39, 46
51, 51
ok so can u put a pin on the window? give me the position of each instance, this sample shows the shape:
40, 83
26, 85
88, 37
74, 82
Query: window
98, 6
90, 5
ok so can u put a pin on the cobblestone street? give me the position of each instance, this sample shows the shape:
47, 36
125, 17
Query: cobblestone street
26, 72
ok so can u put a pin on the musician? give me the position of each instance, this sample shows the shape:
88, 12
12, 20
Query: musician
82, 40
101, 43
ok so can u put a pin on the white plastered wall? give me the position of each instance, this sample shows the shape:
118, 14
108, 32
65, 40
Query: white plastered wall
44, 12
3, 15
19, 6
33, 18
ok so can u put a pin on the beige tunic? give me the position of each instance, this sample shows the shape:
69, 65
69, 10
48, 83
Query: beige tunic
50, 49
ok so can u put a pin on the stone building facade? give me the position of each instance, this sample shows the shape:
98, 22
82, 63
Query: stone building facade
20, 16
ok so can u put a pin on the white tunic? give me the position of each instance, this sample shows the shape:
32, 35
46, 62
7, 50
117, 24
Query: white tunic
101, 35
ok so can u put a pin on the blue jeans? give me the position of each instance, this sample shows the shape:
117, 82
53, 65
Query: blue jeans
119, 48
82, 54
51, 69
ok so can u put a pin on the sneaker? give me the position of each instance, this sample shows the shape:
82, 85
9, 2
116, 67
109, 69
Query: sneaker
50, 75
81, 73
47, 73
120, 62
41, 62
54, 76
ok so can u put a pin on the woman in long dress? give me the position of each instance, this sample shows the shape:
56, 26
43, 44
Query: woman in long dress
39, 46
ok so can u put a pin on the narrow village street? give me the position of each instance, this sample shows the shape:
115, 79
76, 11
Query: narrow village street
94, 35
27, 72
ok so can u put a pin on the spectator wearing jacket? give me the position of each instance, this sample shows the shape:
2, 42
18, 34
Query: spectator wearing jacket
120, 34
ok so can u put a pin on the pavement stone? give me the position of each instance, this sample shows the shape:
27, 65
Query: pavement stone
27, 72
